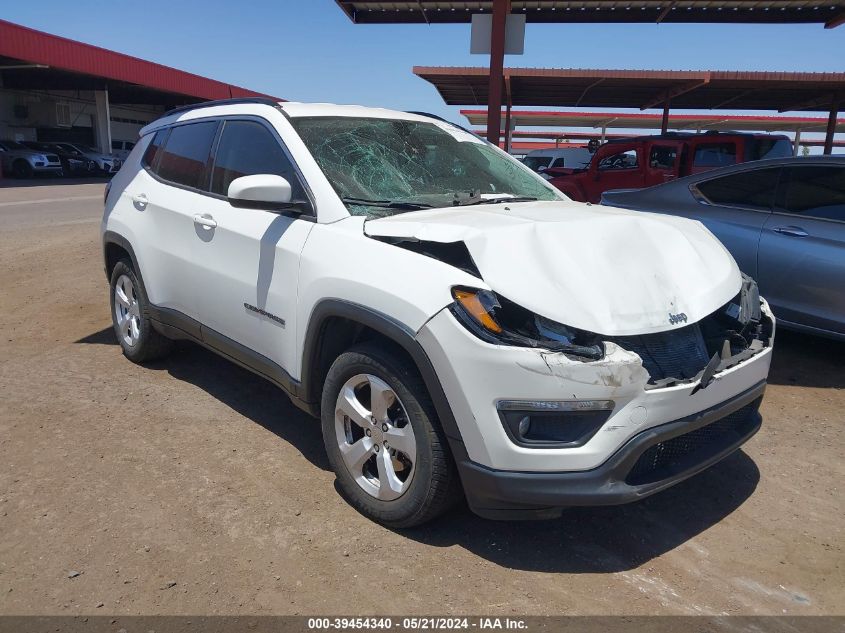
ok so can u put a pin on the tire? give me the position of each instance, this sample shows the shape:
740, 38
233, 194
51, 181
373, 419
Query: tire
130, 311
22, 169
431, 485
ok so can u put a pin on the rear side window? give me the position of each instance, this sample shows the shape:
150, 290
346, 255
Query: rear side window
247, 148
751, 189
817, 191
186, 153
154, 148
764, 147
714, 155
663, 157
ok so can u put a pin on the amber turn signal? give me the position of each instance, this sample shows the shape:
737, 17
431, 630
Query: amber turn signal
471, 302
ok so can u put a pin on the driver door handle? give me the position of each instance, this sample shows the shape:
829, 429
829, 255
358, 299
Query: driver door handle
205, 220
792, 231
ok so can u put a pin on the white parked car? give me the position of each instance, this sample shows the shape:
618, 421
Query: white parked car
540, 160
457, 324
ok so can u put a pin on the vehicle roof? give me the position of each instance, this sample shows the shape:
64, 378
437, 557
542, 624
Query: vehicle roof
679, 136
776, 162
289, 108
710, 174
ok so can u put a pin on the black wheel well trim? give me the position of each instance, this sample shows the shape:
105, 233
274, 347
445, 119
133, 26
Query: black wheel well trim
112, 238
387, 327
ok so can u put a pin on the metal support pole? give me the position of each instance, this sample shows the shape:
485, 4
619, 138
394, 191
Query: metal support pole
501, 8
508, 123
831, 127
797, 142
102, 121
603, 133
664, 126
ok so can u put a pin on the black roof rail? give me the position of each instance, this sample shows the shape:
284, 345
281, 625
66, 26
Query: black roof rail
219, 102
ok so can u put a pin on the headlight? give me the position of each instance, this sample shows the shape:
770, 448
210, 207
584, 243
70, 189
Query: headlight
502, 322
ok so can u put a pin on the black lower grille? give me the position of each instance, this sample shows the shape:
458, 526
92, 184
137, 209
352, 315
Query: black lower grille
680, 453
676, 354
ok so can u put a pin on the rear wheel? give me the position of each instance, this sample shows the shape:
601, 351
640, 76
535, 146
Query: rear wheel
383, 440
138, 339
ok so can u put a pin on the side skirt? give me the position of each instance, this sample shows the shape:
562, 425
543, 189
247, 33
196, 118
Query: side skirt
173, 324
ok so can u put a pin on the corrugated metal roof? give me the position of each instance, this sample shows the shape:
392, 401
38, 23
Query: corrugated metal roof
831, 13
60, 56
600, 88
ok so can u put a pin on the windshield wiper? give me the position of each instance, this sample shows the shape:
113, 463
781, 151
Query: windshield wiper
500, 200
401, 205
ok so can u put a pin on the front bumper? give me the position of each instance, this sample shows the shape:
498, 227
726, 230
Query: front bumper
649, 462
499, 475
48, 168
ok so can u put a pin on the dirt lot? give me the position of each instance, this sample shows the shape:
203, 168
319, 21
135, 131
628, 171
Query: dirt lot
197, 473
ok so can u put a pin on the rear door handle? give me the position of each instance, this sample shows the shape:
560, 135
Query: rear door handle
205, 220
792, 231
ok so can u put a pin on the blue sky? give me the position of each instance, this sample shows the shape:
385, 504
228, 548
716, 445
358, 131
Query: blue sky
310, 51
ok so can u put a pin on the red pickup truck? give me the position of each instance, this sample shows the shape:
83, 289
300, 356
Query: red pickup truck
635, 163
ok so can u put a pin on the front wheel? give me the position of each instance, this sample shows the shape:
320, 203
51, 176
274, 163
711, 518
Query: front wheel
383, 439
22, 169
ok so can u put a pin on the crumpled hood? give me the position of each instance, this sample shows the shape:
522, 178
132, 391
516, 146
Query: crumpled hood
605, 270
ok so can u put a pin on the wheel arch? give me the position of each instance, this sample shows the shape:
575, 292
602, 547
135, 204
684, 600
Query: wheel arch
320, 349
115, 247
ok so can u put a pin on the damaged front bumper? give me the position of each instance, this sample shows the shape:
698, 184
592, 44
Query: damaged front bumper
502, 477
649, 462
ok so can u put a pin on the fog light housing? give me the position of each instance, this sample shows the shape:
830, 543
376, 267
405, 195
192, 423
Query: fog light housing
553, 423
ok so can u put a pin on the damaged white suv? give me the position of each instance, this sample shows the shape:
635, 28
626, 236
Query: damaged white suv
458, 325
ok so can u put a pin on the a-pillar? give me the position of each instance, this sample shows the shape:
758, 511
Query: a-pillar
102, 121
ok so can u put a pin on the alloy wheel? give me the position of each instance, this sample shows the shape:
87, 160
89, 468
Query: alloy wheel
127, 311
375, 437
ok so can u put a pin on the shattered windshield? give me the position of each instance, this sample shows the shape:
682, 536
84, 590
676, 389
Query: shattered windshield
381, 167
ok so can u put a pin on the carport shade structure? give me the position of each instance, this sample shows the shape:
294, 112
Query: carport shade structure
602, 121
831, 14
34, 60
644, 89
552, 139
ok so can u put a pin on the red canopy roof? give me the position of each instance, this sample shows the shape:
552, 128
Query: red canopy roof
51, 62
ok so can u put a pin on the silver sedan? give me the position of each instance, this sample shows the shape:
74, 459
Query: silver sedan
783, 220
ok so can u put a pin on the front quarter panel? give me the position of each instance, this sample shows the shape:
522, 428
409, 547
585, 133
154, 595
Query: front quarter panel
340, 262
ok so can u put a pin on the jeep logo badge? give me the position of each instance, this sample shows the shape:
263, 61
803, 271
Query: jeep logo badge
677, 318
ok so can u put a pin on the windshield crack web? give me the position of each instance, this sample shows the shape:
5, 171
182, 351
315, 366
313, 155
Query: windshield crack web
410, 161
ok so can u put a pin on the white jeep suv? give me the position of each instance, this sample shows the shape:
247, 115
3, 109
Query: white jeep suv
458, 325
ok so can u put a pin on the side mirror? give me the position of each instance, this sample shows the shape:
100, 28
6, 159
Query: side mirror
541, 169
264, 191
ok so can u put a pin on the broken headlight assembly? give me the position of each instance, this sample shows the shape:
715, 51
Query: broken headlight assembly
496, 320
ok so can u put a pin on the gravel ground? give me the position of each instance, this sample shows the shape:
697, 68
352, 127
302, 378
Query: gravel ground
193, 487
